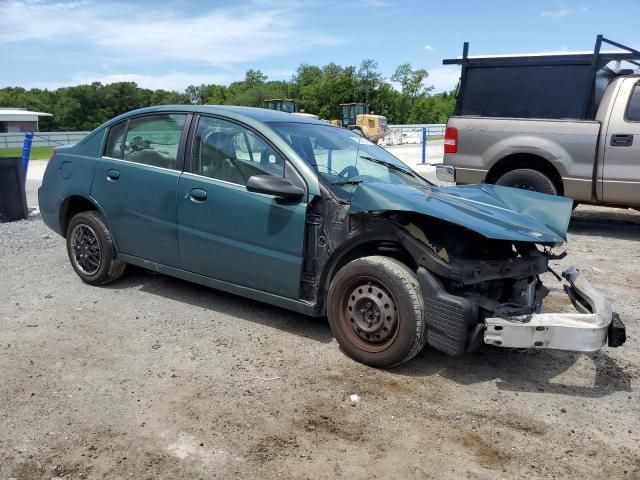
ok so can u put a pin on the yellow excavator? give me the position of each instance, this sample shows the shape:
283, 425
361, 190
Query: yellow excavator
286, 105
354, 116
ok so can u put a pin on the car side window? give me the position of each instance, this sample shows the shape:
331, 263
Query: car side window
633, 110
226, 151
115, 140
154, 139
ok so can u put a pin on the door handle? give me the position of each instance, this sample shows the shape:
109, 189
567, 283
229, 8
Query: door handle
621, 140
113, 174
198, 194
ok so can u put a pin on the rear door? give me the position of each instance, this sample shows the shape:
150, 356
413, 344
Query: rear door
621, 168
231, 234
136, 181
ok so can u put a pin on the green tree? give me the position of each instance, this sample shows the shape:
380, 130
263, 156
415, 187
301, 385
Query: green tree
368, 77
411, 81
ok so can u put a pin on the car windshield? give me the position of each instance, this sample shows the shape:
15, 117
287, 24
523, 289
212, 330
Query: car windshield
343, 158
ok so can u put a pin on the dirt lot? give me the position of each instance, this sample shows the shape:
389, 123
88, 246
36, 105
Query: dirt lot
157, 378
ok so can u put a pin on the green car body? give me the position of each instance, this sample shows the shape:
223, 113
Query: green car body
286, 248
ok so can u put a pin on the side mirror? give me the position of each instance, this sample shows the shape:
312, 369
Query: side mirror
276, 186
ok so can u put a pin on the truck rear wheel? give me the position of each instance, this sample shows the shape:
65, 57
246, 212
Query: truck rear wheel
376, 311
528, 179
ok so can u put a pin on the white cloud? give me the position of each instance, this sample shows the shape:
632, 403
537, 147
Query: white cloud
444, 79
428, 47
561, 11
176, 81
377, 3
220, 37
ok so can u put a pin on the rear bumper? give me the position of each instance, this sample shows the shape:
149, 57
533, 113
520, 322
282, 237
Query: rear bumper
446, 173
583, 332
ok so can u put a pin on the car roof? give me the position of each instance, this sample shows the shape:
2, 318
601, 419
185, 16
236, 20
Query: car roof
263, 115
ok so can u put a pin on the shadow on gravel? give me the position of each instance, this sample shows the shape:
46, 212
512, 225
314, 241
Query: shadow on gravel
532, 371
606, 222
217, 301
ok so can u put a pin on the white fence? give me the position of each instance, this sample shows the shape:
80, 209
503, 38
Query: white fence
41, 139
398, 135
412, 134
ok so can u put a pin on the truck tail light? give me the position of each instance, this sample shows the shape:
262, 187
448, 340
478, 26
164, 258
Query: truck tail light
451, 140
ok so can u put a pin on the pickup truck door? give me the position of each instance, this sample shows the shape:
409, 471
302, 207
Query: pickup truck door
621, 166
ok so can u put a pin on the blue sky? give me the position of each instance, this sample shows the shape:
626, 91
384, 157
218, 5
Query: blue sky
171, 44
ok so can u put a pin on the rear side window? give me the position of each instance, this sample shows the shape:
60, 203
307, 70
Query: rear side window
115, 141
633, 110
154, 139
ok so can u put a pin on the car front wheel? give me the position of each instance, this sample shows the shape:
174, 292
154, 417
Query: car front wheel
376, 311
91, 250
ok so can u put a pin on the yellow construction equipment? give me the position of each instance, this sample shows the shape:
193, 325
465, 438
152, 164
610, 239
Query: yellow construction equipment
355, 116
287, 105
282, 105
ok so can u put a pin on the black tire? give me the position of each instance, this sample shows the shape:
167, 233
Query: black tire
91, 250
389, 288
528, 179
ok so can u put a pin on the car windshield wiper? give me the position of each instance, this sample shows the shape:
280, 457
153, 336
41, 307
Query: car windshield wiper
347, 182
390, 165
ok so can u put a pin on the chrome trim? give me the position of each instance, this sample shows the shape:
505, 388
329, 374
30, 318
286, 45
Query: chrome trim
212, 179
446, 173
173, 170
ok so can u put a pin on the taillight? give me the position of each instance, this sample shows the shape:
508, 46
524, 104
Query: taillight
451, 140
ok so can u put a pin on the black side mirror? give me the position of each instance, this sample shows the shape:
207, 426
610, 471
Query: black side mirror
276, 186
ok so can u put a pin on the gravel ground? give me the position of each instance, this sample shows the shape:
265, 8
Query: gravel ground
154, 377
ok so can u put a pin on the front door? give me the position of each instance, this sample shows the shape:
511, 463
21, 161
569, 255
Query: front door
231, 234
621, 169
136, 183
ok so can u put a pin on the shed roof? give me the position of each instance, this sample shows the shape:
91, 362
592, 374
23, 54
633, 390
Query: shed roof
22, 111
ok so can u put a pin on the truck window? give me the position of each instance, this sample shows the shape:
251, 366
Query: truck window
633, 110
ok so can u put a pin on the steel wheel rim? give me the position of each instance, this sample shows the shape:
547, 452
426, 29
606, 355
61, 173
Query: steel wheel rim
86, 251
369, 315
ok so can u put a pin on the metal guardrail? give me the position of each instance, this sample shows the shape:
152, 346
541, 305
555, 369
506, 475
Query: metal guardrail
41, 139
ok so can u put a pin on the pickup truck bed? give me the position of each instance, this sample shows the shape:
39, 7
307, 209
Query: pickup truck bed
489, 147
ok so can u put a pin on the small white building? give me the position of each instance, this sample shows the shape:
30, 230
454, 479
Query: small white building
18, 120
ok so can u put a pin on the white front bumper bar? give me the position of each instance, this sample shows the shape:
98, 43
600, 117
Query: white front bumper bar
582, 332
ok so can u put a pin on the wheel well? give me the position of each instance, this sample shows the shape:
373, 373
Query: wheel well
71, 206
387, 248
526, 160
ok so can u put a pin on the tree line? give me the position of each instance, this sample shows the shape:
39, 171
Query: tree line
318, 89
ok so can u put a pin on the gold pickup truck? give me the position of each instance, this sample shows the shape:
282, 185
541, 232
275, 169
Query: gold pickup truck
566, 124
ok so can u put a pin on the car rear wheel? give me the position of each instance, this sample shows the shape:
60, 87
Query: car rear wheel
528, 179
91, 251
376, 311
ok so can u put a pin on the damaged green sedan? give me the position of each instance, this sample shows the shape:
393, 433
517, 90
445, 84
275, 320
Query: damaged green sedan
311, 217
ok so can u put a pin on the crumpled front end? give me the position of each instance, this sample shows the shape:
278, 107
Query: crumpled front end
484, 291
479, 252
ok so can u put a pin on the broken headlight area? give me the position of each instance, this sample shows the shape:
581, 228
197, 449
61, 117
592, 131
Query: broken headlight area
480, 291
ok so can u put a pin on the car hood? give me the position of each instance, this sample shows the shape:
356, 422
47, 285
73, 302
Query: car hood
501, 213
